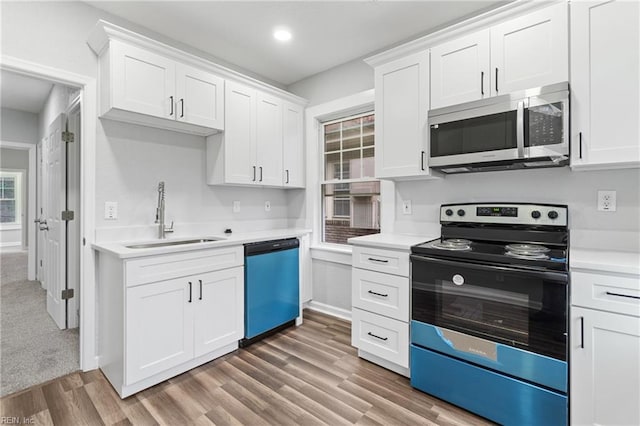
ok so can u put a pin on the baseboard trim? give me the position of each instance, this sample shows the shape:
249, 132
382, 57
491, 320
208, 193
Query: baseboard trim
329, 310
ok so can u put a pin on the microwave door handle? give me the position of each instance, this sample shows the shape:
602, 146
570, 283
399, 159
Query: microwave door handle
520, 129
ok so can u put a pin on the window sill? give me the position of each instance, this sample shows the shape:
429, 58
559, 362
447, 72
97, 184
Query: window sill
335, 253
10, 226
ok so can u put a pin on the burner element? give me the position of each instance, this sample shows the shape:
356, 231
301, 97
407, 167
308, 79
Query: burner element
455, 244
527, 251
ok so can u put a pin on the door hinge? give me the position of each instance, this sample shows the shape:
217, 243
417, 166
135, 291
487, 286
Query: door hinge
40, 263
67, 215
67, 137
67, 294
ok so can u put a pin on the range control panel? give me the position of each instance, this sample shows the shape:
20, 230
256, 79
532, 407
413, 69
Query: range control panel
503, 213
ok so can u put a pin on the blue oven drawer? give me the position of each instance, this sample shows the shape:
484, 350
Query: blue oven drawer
499, 398
540, 369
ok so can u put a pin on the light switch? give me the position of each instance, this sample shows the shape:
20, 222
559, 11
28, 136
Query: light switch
406, 207
267, 206
111, 210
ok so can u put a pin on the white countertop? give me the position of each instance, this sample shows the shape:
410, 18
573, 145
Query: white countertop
120, 250
391, 241
623, 262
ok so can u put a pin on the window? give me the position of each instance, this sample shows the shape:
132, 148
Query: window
10, 198
351, 197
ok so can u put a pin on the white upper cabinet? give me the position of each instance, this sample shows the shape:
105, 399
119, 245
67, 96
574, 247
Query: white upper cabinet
292, 146
530, 51
521, 53
401, 104
199, 97
250, 150
460, 70
143, 87
605, 120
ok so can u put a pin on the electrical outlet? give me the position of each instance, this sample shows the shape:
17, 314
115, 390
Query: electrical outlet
267, 206
607, 201
406, 207
236, 206
111, 210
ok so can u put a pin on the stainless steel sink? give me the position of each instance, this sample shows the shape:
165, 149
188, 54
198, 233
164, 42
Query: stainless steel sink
172, 243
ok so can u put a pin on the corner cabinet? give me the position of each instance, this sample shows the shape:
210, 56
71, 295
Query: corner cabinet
605, 349
528, 51
143, 87
162, 315
251, 151
605, 106
401, 104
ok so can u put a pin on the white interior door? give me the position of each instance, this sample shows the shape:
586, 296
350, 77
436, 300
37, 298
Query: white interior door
54, 191
40, 160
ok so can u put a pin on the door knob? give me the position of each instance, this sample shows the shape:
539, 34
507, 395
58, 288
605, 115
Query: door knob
44, 227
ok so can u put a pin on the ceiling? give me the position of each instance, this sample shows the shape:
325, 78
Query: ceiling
325, 33
23, 93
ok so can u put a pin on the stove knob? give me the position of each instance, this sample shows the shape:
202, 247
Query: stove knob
535, 214
460, 212
449, 212
553, 214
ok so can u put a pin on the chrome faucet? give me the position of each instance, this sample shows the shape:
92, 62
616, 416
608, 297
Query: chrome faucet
162, 229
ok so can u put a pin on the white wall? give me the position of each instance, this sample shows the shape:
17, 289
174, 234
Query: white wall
332, 284
18, 126
57, 102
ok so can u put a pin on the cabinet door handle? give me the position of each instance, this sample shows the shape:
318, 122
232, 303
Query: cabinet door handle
496, 79
622, 295
581, 332
373, 259
422, 154
200, 281
171, 98
260, 173
181, 108
580, 144
378, 294
482, 82
254, 173
287, 176
190, 291
378, 337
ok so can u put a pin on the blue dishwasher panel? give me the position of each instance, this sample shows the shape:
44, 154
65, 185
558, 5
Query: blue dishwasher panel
272, 295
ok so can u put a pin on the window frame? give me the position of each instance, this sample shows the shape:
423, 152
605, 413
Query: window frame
17, 197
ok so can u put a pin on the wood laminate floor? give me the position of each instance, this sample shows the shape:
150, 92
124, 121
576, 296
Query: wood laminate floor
309, 375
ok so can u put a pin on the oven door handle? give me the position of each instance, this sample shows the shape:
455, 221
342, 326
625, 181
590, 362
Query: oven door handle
554, 276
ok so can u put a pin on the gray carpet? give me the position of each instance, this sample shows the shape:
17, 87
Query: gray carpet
33, 349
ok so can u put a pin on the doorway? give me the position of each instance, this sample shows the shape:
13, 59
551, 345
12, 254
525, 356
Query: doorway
40, 318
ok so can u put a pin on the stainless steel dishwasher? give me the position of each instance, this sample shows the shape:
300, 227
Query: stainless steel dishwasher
272, 290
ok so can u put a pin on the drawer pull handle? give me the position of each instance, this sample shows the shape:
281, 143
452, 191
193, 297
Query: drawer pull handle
378, 337
190, 292
622, 295
581, 332
200, 298
378, 294
373, 259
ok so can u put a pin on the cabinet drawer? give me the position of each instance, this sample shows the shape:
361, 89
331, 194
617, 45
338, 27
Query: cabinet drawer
167, 266
619, 294
381, 336
389, 261
380, 293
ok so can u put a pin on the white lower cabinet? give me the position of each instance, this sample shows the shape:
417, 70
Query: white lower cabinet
162, 315
380, 306
605, 348
605, 368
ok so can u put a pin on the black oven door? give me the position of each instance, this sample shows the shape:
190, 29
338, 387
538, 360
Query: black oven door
521, 308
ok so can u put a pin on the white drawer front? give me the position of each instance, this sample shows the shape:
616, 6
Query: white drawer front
619, 294
380, 293
381, 336
389, 261
167, 266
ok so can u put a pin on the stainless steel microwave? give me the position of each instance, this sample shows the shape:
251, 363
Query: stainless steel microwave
521, 130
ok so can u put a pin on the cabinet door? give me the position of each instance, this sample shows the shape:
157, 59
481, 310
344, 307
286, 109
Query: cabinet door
269, 140
239, 135
142, 81
219, 309
199, 97
605, 46
159, 328
402, 101
605, 350
292, 146
530, 51
460, 70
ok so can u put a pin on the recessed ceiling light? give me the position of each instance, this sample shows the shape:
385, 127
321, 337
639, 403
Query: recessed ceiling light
282, 34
